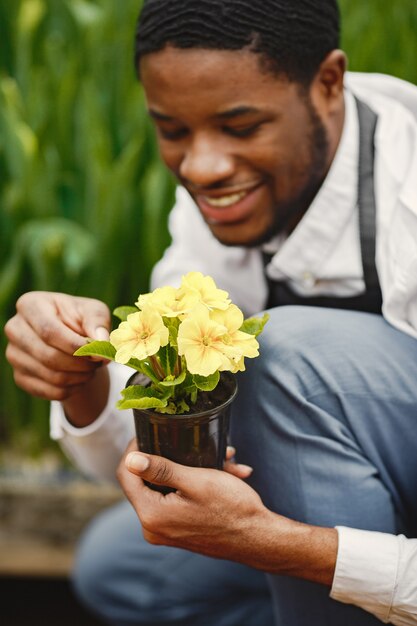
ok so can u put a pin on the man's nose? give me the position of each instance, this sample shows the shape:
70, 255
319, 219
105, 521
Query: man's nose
206, 163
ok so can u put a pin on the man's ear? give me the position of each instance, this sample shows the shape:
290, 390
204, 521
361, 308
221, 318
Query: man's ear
328, 82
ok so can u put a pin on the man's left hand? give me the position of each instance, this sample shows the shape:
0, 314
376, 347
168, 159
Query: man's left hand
211, 512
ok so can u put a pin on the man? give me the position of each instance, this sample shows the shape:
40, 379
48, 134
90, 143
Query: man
297, 189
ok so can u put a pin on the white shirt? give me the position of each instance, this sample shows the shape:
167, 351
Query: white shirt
322, 256
377, 572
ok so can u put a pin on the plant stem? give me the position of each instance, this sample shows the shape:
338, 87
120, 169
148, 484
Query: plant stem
177, 368
156, 366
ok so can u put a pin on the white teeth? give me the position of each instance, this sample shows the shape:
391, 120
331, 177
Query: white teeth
225, 201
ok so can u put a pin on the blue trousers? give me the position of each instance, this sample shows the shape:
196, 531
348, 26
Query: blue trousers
327, 416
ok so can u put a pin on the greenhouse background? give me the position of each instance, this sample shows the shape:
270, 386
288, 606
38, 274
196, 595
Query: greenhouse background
83, 195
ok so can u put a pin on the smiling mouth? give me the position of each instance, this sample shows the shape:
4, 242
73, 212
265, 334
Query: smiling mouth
229, 206
227, 196
225, 201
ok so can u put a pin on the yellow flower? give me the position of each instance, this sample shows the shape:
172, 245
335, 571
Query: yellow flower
168, 301
205, 288
243, 344
140, 336
237, 365
200, 342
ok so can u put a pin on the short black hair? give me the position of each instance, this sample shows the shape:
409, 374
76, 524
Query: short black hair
292, 36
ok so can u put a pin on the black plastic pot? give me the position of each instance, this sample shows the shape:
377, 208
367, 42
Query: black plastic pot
193, 439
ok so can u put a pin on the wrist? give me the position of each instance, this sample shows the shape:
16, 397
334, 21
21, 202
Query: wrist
87, 403
295, 549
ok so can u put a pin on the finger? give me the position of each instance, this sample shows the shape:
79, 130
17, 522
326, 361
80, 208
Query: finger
238, 469
100, 334
230, 453
43, 389
22, 336
91, 318
161, 471
86, 316
27, 365
40, 313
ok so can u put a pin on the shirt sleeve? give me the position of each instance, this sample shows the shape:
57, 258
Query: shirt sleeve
377, 572
97, 448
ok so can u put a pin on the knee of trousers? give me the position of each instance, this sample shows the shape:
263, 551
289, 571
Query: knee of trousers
95, 568
301, 349
297, 359
109, 574
291, 419
306, 351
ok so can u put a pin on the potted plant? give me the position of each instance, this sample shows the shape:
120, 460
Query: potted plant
184, 344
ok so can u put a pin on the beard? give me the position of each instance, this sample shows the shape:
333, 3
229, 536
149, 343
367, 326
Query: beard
286, 215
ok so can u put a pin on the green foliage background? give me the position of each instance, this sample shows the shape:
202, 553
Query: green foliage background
83, 196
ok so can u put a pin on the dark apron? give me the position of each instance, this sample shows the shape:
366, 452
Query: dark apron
371, 300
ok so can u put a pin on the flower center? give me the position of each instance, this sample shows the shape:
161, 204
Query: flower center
206, 341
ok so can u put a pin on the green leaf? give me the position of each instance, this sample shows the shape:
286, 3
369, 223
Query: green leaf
172, 323
170, 381
206, 383
254, 325
30, 15
136, 365
168, 357
121, 312
147, 370
85, 13
169, 409
175, 408
97, 348
182, 406
138, 397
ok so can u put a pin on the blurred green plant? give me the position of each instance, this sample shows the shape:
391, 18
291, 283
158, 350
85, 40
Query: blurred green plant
380, 36
83, 195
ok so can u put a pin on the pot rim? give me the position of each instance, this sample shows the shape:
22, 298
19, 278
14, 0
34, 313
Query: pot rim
181, 416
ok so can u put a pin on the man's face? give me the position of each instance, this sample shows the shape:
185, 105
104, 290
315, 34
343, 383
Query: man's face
249, 146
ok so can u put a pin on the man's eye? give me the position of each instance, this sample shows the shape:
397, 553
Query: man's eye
245, 131
172, 135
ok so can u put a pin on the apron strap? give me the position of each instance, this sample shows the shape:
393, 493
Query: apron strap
371, 301
366, 195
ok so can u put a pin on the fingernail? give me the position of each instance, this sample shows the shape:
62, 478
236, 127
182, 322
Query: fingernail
246, 468
101, 334
137, 461
231, 450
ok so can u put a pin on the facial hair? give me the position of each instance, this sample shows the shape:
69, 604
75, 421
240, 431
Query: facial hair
287, 215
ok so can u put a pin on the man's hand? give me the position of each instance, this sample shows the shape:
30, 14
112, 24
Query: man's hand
212, 512
43, 335
219, 515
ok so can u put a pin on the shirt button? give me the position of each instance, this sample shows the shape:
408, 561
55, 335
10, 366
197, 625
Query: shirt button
308, 280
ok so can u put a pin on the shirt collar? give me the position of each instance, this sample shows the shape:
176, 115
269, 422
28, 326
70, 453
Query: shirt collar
316, 235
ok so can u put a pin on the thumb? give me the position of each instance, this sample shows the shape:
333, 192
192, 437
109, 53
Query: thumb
96, 319
158, 470
100, 333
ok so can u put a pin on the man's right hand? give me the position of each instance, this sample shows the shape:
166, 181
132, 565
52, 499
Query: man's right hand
43, 335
